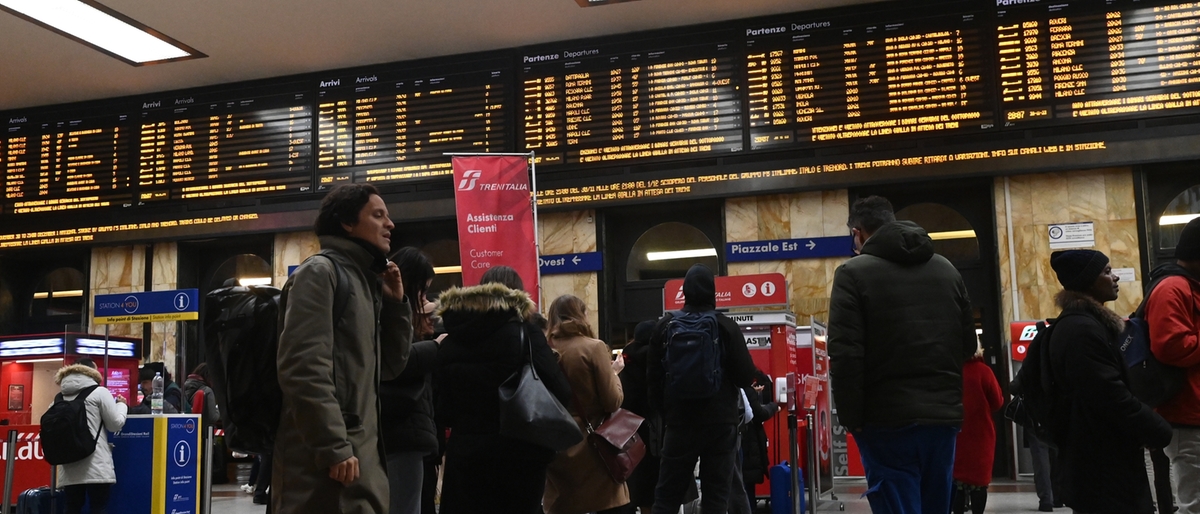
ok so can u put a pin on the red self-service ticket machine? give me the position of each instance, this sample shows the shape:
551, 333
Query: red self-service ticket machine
773, 340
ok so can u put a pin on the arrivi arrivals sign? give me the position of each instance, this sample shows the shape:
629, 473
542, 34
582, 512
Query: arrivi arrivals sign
495, 217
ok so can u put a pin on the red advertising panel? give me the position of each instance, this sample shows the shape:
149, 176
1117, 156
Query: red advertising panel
1022, 333
495, 217
737, 291
30, 469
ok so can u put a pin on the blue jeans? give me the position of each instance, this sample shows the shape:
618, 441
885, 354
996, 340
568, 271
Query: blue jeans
909, 470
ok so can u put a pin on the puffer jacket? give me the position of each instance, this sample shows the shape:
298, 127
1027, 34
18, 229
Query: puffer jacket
1100, 427
329, 373
96, 468
900, 329
209, 414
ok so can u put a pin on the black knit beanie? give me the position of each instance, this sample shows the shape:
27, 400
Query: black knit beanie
1188, 248
1077, 269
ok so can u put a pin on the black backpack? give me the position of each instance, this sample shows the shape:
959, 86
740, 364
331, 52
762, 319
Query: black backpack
692, 356
66, 436
241, 332
1033, 406
1151, 381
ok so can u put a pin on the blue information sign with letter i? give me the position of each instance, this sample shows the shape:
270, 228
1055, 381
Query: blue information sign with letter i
571, 263
142, 307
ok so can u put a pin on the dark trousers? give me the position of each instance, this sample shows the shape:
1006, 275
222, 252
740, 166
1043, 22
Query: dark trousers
1163, 492
263, 480
95, 494
1043, 456
715, 446
976, 499
491, 483
909, 470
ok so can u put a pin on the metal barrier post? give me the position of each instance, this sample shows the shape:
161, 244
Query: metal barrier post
811, 441
10, 455
206, 501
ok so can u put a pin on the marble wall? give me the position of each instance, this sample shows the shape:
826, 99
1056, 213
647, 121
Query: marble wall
808, 214
119, 269
570, 232
122, 269
291, 248
1104, 197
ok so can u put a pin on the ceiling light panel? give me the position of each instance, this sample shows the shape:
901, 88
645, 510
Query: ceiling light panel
106, 30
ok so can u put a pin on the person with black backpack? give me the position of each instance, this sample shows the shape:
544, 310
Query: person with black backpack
328, 454
697, 364
1173, 312
74, 438
1100, 428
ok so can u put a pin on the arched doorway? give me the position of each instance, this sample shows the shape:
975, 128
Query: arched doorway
644, 246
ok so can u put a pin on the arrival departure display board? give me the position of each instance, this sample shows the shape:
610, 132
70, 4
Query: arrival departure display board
201, 149
1090, 60
65, 164
826, 81
384, 128
610, 105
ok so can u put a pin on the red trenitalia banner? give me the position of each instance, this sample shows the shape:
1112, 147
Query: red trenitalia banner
495, 217
762, 290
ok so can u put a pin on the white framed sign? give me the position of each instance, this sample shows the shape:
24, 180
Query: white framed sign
1072, 235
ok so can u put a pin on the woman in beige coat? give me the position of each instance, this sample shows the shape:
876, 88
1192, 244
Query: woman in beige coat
577, 482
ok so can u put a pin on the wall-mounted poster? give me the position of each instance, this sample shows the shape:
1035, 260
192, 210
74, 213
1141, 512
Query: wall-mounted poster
16, 397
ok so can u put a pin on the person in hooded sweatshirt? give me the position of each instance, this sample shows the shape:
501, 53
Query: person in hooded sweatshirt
1100, 428
900, 329
91, 478
707, 428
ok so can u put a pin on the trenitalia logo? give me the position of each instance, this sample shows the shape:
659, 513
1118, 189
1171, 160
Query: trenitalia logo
468, 181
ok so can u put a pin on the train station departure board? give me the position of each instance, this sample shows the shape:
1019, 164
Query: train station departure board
381, 128
827, 81
65, 164
190, 149
611, 105
1091, 60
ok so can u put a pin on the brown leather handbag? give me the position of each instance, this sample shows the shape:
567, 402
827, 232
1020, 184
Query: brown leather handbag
616, 441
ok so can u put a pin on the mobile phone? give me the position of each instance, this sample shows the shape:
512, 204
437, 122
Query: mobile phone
616, 354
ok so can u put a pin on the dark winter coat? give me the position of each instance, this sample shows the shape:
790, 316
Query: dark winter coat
329, 372
633, 384
209, 414
1100, 428
900, 328
755, 462
975, 447
737, 368
482, 349
406, 414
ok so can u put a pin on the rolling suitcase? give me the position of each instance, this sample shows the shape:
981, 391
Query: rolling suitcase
37, 501
781, 491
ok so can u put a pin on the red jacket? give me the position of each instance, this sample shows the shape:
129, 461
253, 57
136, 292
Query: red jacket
1173, 312
976, 446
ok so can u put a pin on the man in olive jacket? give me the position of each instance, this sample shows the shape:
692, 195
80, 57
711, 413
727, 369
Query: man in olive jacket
328, 455
900, 328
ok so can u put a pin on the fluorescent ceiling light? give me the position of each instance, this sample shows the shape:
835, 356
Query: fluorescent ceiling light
72, 293
1177, 219
255, 281
31, 361
446, 270
681, 254
952, 234
109, 31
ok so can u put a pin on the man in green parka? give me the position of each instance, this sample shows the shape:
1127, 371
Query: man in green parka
328, 455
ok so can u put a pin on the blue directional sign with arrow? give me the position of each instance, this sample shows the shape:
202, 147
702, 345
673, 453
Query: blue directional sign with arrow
571, 263
788, 249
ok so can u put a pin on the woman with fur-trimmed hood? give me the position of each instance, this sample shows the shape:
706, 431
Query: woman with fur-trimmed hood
92, 476
486, 471
1099, 426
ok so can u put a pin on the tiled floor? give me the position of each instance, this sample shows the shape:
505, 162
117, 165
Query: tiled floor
1005, 496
